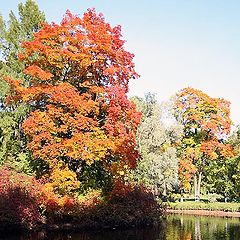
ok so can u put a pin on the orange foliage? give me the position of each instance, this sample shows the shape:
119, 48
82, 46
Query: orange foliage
61, 180
79, 73
206, 123
198, 110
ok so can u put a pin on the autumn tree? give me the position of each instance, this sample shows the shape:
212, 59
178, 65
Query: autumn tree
157, 142
206, 124
78, 74
19, 28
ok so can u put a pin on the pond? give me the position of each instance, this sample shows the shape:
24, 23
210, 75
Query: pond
173, 227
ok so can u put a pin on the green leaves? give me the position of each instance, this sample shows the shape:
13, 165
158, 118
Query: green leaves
12, 33
156, 143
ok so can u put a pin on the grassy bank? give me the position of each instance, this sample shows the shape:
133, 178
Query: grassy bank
216, 206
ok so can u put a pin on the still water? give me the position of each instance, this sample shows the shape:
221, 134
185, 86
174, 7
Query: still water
173, 227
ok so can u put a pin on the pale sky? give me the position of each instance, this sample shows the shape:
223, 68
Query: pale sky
177, 43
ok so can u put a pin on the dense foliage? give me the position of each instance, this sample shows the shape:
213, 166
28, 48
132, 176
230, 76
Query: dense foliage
206, 124
158, 167
13, 151
21, 198
78, 73
80, 126
74, 148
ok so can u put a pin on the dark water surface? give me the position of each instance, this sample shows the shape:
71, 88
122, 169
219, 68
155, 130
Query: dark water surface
173, 227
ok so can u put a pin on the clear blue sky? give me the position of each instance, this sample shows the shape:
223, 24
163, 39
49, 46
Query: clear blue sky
177, 43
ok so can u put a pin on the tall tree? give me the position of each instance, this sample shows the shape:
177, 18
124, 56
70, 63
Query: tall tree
206, 124
80, 113
12, 33
157, 146
18, 30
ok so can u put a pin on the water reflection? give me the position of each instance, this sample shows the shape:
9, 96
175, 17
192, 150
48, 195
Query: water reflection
174, 227
202, 228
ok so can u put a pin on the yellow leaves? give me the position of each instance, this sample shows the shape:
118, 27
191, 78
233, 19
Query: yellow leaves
79, 73
55, 59
85, 62
72, 48
61, 180
120, 170
198, 110
213, 155
96, 89
206, 120
186, 185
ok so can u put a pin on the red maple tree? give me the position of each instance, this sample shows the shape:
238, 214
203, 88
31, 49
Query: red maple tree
78, 80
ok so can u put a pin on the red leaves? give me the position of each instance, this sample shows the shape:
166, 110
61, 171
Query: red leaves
82, 46
121, 124
214, 149
79, 73
37, 72
20, 197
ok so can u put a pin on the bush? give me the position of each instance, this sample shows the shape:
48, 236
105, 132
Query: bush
20, 199
136, 207
93, 210
24, 203
214, 197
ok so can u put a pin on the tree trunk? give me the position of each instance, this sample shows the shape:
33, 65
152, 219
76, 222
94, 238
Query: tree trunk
195, 187
197, 230
199, 185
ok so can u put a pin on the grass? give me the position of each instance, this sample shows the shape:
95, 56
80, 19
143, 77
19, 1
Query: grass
216, 206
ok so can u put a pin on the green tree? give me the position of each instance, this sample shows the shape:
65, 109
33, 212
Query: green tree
225, 173
18, 29
157, 145
223, 177
234, 140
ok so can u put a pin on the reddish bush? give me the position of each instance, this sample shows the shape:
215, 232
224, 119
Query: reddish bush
20, 199
136, 207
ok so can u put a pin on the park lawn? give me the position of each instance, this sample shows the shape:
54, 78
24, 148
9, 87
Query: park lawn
216, 206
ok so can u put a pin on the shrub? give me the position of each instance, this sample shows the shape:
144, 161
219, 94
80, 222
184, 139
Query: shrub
68, 208
214, 197
24, 202
135, 207
20, 199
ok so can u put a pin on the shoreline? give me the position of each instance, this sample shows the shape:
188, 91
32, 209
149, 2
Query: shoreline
69, 227
211, 213
74, 226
